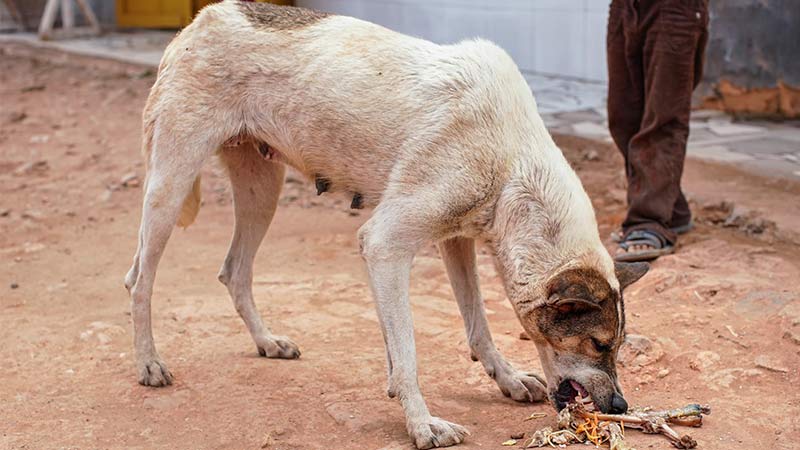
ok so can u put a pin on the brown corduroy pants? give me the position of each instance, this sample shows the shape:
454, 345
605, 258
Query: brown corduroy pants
655, 60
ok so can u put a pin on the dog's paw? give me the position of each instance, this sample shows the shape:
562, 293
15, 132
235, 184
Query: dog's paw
523, 387
154, 372
435, 432
277, 347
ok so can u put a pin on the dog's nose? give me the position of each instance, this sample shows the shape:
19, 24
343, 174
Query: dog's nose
618, 404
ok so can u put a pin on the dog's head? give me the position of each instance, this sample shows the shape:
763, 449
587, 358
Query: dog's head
578, 330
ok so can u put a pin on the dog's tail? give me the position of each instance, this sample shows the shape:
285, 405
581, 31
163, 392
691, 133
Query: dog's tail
191, 204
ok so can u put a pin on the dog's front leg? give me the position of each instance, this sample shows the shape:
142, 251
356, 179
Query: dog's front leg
459, 258
388, 249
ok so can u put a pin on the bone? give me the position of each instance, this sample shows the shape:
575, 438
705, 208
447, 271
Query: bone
656, 422
617, 438
585, 426
690, 415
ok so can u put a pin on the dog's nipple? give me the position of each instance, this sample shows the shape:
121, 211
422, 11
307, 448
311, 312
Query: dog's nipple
322, 184
357, 202
265, 150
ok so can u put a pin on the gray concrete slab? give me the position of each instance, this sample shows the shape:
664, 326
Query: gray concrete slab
139, 47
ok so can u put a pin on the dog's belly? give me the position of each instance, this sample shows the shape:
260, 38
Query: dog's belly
355, 171
343, 100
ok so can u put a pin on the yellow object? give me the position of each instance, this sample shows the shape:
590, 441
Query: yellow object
509, 443
536, 416
164, 13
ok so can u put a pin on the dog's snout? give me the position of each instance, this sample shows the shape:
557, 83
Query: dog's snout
618, 404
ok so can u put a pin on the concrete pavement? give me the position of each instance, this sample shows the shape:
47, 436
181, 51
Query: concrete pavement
568, 107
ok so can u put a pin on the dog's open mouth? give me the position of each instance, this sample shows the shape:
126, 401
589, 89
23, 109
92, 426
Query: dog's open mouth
570, 391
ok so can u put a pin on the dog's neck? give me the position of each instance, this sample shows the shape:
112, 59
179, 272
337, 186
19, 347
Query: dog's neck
543, 223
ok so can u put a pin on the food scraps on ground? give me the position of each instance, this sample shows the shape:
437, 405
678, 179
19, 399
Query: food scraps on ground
577, 424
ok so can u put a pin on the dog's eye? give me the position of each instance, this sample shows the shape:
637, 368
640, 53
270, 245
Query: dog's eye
600, 347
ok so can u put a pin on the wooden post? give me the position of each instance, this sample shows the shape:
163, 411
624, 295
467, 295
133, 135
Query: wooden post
94, 24
67, 15
11, 6
68, 19
48, 17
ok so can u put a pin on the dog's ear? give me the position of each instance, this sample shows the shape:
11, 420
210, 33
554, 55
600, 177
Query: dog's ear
571, 305
628, 273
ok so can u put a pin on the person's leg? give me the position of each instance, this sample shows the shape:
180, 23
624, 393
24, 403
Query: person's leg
681, 214
625, 102
674, 31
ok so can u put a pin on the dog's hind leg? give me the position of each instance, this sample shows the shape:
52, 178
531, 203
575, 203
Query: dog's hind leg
459, 258
174, 163
256, 185
388, 243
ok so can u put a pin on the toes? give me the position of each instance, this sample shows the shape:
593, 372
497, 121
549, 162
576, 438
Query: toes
538, 378
536, 387
524, 387
155, 373
519, 392
278, 347
438, 433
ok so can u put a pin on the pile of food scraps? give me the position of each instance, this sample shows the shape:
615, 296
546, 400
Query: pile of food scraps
577, 424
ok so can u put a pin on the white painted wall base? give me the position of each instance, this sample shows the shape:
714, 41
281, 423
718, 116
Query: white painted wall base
556, 37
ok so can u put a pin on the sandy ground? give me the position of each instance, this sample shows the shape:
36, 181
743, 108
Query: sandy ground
722, 316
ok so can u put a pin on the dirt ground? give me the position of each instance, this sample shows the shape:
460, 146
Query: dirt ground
721, 317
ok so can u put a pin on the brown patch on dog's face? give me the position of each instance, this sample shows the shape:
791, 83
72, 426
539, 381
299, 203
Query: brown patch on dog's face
578, 331
274, 17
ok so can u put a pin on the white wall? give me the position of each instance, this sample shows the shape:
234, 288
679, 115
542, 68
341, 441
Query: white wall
556, 37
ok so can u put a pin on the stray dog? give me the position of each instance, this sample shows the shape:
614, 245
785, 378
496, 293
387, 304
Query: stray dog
444, 142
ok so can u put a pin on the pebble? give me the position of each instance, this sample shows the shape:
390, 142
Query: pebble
764, 362
130, 180
33, 247
33, 88
17, 116
792, 336
14, 285
705, 359
32, 214
28, 168
39, 139
662, 373
638, 351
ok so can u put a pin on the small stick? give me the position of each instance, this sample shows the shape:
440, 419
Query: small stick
689, 414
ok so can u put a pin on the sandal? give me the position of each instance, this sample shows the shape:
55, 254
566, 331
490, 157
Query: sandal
616, 236
659, 246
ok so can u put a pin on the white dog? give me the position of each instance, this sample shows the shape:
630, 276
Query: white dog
445, 143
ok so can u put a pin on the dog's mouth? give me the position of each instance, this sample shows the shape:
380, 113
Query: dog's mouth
571, 392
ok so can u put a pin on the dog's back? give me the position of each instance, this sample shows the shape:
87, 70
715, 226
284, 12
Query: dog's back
342, 98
